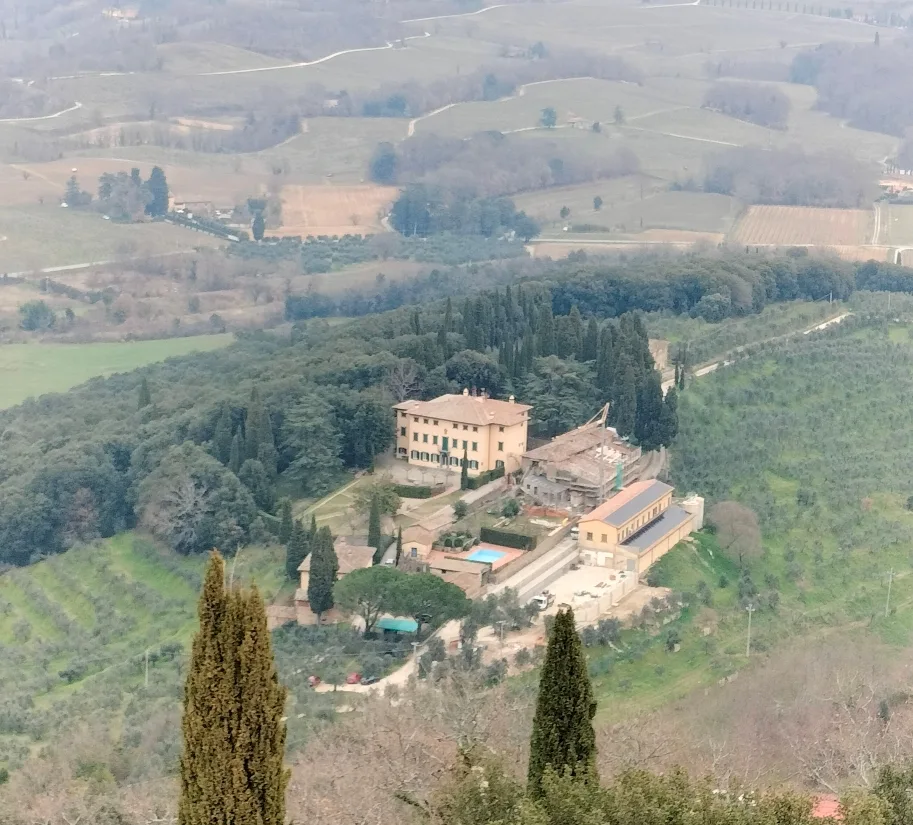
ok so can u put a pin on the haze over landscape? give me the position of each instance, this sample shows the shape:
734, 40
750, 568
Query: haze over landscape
456, 412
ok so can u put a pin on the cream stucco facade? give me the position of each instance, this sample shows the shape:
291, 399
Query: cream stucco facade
439, 433
634, 528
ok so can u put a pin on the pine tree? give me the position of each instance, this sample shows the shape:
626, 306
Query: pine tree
563, 739
237, 451
286, 522
145, 395
158, 189
464, 472
221, 438
231, 767
324, 567
374, 536
296, 551
399, 546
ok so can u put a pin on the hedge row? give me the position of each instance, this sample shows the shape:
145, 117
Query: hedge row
506, 538
474, 482
413, 491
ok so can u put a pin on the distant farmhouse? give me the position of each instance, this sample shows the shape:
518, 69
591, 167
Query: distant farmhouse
439, 433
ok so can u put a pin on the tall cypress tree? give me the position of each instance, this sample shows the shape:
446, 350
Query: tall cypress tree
399, 546
296, 550
545, 335
575, 323
647, 425
374, 536
667, 429
324, 567
563, 738
253, 425
145, 395
221, 438
234, 737
235, 458
286, 523
591, 341
464, 472
625, 406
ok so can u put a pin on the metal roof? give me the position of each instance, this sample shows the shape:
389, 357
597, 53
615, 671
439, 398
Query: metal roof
652, 533
633, 506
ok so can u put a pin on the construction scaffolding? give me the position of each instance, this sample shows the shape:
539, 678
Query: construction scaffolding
581, 468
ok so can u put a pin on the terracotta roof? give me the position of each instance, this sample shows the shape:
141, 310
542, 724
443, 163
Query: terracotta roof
826, 805
615, 512
468, 409
351, 557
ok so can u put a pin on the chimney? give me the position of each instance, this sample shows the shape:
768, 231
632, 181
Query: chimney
511, 400
465, 391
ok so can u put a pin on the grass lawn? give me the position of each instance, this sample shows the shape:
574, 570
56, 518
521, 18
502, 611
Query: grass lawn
35, 237
31, 370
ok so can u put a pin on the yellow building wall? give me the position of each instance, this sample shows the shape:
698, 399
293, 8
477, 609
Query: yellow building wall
481, 442
597, 530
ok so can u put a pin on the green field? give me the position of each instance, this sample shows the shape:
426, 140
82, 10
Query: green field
35, 237
31, 370
896, 225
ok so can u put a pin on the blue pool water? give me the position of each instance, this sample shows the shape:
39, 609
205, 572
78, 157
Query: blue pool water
489, 556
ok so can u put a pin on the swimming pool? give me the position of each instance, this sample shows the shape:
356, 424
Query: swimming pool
485, 555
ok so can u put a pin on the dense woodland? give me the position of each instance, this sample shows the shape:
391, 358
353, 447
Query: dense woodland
864, 85
789, 177
141, 446
492, 164
763, 105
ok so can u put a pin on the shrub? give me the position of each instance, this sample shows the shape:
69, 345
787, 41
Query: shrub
460, 509
484, 478
413, 490
507, 538
511, 508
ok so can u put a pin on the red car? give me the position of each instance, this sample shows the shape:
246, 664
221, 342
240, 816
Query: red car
353, 679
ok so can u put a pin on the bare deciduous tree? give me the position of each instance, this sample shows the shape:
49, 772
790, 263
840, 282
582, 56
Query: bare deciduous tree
738, 530
403, 379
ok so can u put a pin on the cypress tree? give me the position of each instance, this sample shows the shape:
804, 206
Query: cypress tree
591, 341
448, 316
464, 472
545, 344
253, 425
668, 419
286, 523
324, 567
575, 323
237, 450
649, 411
312, 531
296, 550
231, 767
625, 406
221, 438
145, 395
563, 739
399, 546
374, 536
